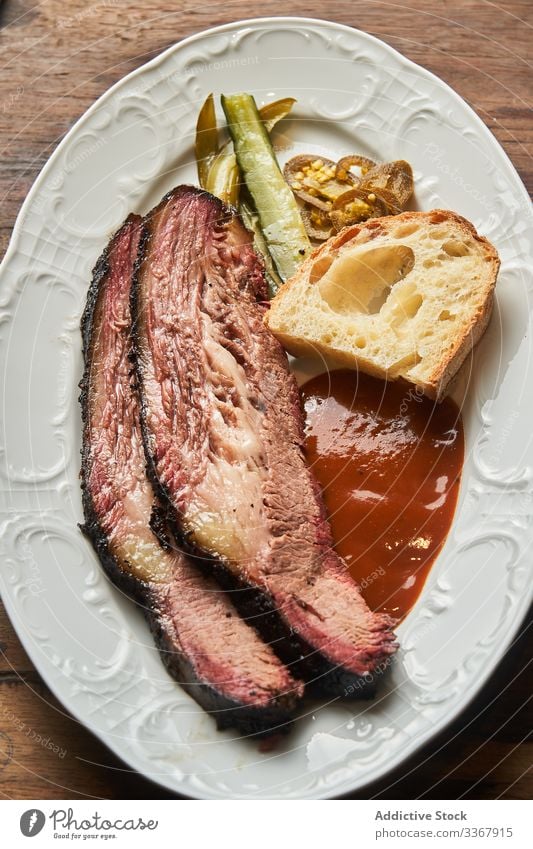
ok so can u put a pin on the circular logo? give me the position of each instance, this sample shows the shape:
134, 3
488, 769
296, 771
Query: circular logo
31, 822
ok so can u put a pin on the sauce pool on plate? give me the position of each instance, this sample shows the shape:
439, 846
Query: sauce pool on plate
389, 463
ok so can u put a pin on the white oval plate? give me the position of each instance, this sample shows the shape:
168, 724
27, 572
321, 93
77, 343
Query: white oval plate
91, 644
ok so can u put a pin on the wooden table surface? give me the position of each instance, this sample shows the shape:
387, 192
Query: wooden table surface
57, 58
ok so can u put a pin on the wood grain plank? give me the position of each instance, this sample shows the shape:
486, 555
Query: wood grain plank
46, 754
13, 658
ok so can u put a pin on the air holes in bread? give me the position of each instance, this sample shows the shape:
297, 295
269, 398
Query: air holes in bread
405, 230
320, 267
453, 247
404, 305
360, 281
389, 310
412, 304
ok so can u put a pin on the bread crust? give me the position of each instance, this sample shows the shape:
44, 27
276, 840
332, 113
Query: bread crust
438, 381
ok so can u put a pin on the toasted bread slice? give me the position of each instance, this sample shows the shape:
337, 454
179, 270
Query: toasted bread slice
405, 296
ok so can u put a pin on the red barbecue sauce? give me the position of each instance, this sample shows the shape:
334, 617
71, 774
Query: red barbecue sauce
389, 463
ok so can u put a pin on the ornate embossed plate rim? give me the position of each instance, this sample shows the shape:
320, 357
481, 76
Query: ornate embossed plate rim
404, 750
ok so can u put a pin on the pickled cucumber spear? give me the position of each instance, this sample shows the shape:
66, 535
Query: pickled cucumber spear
277, 210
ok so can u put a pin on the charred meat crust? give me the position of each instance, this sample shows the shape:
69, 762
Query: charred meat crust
322, 678
258, 720
277, 718
322, 675
135, 589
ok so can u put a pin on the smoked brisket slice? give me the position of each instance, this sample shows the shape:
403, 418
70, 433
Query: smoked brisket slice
206, 646
223, 433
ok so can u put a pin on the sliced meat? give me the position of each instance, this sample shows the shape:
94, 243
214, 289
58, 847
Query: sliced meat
223, 434
206, 646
